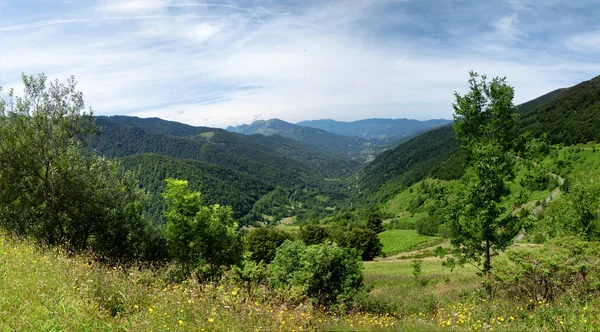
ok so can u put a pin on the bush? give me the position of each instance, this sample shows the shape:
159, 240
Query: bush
566, 265
326, 273
263, 242
362, 240
201, 238
427, 226
314, 234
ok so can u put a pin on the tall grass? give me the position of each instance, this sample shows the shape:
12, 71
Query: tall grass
46, 289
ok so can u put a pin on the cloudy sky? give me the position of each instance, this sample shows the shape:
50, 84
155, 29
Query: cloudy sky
217, 63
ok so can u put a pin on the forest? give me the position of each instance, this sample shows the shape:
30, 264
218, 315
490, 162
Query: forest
490, 222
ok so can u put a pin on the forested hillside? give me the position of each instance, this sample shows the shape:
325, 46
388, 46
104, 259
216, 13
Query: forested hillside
570, 117
387, 130
228, 168
434, 153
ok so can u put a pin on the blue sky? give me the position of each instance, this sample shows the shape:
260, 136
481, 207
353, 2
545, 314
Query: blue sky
220, 63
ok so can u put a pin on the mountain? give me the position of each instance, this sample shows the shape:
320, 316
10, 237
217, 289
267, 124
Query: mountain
435, 153
568, 116
343, 146
388, 130
571, 116
228, 168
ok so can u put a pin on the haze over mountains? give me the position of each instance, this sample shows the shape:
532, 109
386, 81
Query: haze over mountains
361, 140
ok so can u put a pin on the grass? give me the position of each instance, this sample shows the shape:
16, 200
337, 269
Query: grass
44, 289
442, 300
396, 241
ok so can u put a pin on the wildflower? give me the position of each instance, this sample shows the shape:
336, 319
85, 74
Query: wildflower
210, 320
180, 322
150, 310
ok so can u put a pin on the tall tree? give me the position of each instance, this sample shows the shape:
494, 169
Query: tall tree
51, 188
201, 238
485, 120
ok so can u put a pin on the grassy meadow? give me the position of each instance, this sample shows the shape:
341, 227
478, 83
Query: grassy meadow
396, 241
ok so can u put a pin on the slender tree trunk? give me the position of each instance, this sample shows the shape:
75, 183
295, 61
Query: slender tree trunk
487, 267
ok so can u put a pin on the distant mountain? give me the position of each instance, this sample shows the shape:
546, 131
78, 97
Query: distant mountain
387, 130
348, 147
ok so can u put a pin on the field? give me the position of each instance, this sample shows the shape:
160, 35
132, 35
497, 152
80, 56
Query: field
441, 300
43, 289
396, 241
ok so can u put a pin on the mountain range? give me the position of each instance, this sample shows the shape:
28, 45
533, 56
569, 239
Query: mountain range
360, 140
273, 169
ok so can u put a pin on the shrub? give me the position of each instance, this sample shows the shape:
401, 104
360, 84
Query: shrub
427, 226
200, 238
326, 273
314, 234
362, 240
263, 242
565, 265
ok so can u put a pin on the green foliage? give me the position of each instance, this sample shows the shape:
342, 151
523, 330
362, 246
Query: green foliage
219, 185
326, 273
199, 235
427, 226
578, 214
565, 265
485, 122
314, 234
364, 241
569, 117
434, 153
416, 266
263, 243
51, 189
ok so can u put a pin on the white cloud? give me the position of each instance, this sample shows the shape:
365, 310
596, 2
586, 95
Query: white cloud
586, 42
217, 64
134, 6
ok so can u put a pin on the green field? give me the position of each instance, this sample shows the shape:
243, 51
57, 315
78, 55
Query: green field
396, 241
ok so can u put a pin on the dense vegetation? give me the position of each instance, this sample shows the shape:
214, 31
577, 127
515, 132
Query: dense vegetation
570, 117
172, 203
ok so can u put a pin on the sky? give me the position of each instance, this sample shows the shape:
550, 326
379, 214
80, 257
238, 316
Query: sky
219, 63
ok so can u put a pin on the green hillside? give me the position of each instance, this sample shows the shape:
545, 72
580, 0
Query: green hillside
570, 117
567, 116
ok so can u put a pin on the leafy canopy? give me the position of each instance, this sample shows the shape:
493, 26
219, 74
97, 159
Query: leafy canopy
485, 120
51, 188
201, 238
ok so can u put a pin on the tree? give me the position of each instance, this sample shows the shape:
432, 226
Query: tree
326, 273
314, 234
263, 242
51, 187
578, 214
200, 238
485, 120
